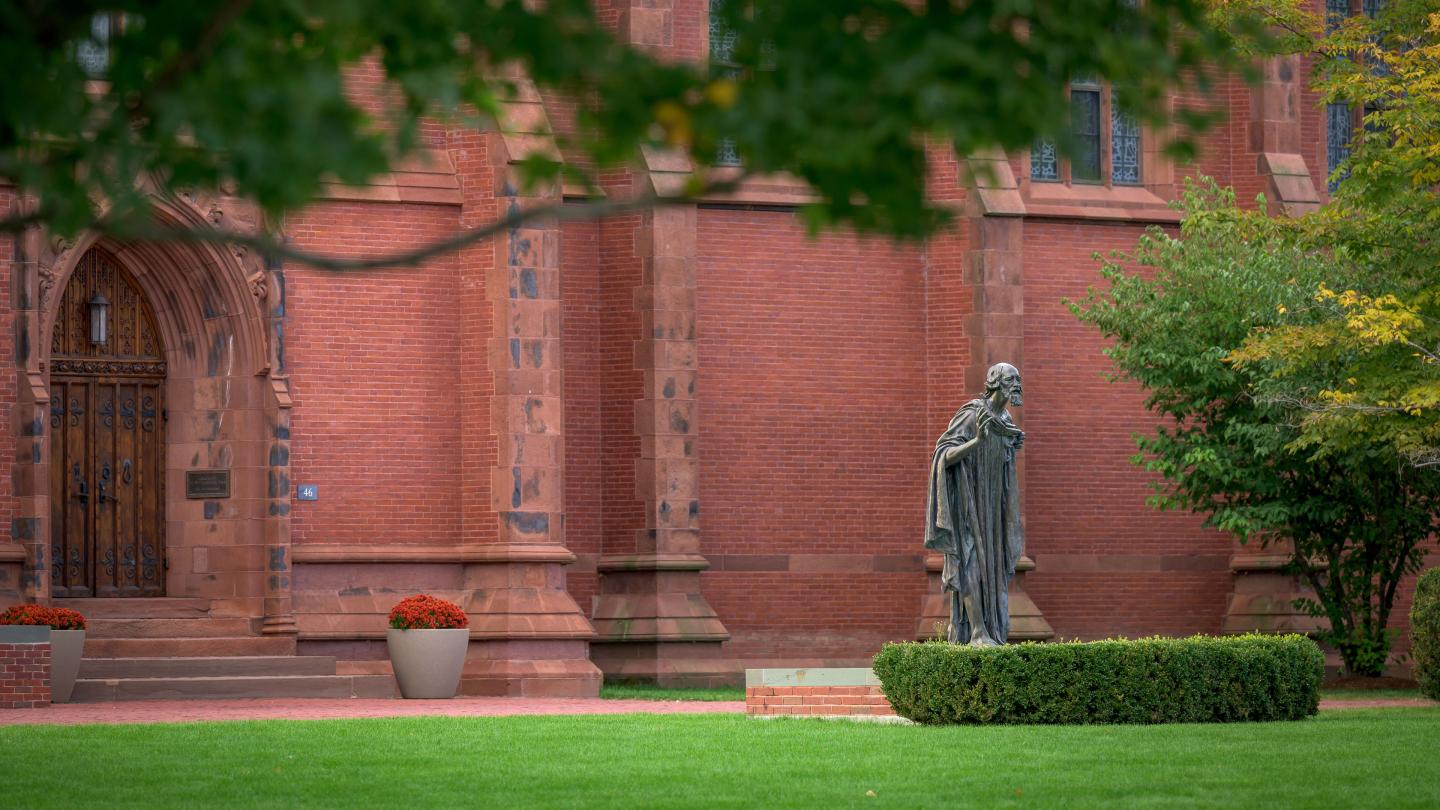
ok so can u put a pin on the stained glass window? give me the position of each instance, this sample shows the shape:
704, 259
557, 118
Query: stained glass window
93, 53
1044, 164
1339, 128
726, 153
722, 38
722, 63
1335, 11
1085, 129
1371, 7
1124, 147
1104, 143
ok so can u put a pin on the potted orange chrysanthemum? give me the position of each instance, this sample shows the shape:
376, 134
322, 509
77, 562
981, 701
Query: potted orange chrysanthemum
67, 642
427, 640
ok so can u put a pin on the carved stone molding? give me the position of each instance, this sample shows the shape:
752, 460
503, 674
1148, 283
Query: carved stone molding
107, 368
258, 284
49, 262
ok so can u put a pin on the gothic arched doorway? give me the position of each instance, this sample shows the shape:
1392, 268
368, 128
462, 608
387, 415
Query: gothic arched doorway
107, 437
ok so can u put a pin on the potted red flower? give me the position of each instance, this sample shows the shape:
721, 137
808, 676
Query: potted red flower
67, 642
427, 640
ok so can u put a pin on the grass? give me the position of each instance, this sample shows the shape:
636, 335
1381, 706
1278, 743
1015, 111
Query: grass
640, 691
1363, 757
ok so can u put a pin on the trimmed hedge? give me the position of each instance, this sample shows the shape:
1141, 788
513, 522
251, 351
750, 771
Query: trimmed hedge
1155, 680
1425, 633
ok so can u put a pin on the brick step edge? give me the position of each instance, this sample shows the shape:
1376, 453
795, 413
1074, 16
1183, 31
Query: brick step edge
234, 687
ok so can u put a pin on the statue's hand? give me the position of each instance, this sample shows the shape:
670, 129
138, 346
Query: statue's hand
1019, 440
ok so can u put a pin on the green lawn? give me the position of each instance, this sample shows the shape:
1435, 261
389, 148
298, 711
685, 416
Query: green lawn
1358, 758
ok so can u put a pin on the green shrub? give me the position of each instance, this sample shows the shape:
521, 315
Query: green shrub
1155, 680
1425, 633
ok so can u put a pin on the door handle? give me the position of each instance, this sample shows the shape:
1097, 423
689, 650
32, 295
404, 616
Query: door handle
105, 476
82, 492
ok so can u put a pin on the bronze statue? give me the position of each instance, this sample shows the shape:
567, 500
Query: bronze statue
973, 513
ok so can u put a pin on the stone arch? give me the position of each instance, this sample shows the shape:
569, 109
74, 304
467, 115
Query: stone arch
206, 292
218, 309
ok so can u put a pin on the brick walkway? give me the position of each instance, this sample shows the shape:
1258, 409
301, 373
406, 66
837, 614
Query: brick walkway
189, 711
1378, 703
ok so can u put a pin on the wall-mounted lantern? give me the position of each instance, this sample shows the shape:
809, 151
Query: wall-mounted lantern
99, 319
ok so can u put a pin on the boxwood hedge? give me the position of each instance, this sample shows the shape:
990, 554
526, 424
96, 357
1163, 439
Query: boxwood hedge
1425, 633
1155, 680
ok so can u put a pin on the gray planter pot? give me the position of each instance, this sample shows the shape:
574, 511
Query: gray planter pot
24, 634
428, 662
66, 647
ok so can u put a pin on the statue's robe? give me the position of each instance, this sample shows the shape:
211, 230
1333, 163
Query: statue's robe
973, 518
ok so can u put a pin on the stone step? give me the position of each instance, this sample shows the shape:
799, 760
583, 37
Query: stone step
150, 627
213, 647
91, 690
156, 607
214, 667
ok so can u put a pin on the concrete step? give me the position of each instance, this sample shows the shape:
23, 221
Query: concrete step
156, 607
88, 690
212, 647
151, 627
214, 667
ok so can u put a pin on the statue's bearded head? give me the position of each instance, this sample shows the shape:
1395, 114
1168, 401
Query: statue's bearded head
1004, 378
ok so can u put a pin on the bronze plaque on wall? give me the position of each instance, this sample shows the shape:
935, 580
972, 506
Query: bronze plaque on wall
207, 484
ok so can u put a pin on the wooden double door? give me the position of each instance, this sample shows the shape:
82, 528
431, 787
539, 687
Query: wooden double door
107, 440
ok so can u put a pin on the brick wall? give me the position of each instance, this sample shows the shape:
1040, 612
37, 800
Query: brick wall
1106, 563
585, 384
8, 507
826, 368
24, 676
812, 424
372, 356
619, 269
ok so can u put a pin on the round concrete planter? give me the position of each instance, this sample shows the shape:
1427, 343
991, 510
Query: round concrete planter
427, 662
66, 647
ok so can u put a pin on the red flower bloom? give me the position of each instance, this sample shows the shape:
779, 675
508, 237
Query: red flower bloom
41, 616
66, 619
425, 612
36, 615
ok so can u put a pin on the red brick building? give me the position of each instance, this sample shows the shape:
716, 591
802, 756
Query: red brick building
667, 444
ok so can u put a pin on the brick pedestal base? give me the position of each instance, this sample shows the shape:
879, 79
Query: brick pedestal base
837, 692
25, 668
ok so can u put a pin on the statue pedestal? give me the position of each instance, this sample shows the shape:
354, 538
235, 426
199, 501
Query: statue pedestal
1027, 623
